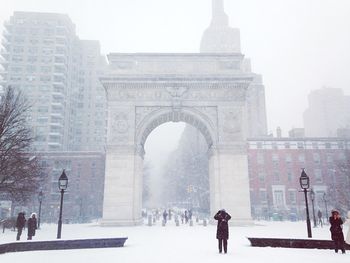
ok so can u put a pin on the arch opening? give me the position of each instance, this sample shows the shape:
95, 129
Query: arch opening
175, 170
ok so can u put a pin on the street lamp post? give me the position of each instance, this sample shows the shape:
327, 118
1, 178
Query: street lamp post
40, 199
312, 195
62, 185
325, 204
305, 184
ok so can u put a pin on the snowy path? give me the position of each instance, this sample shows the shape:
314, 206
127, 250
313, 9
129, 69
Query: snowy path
176, 244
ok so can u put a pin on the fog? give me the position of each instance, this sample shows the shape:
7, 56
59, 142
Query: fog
296, 45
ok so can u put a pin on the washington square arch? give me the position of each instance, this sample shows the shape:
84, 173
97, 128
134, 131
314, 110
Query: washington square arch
214, 90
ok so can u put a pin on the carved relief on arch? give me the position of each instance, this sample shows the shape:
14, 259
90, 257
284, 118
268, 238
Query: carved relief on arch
232, 124
119, 127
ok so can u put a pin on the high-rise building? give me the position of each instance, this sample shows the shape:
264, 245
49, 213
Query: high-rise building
219, 39
328, 111
89, 110
43, 57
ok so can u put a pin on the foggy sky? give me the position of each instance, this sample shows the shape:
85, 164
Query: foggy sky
296, 45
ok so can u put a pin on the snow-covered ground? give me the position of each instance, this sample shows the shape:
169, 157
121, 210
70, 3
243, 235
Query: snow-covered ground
176, 244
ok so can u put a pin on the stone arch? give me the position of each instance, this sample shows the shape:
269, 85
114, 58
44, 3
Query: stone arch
189, 116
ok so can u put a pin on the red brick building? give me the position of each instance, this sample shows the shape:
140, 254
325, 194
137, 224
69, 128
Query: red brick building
274, 169
84, 196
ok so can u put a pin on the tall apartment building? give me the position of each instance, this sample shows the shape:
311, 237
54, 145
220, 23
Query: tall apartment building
44, 58
328, 111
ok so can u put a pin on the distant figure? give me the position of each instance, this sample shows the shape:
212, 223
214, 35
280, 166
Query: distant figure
32, 226
319, 215
222, 231
186, 217
170, 214
20, 223
190, 214
347, 222
337, 231
165, 215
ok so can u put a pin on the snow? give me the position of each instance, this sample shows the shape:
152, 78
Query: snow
176, 244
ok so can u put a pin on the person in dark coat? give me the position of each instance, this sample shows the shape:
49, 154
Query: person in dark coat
222, 232
20, 223
337, 231
32, 226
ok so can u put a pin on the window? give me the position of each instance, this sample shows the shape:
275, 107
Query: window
314, 145
262, 196
287, 145
278, 197
260, 158
301, 158
17, 58
340, 145
276, 176
288, 158
318, 175
274, 146
32, 59
292, 197
317, 158
18, 49
300, 145
329, 158
290, 176
328, 145
261, 176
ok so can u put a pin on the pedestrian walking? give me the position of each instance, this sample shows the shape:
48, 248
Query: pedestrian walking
337, 231
20, 223
32, 226
222, 231
319, 215
347, 222
165, 215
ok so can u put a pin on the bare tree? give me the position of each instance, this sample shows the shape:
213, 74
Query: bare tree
19, 169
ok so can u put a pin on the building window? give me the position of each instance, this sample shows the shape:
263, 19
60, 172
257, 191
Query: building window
300, 145
301, 158
274, 146
314, 145
329, 158
278, 197
260, 158
340, 145
292, 197
290, 176
261, 176
275, 158
276, 176
316, 157
262, 196
287, 145
328, 145
288, 159
318, 176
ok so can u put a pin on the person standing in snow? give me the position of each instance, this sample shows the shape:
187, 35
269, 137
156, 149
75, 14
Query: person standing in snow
165, 215
32, 226
337, 231
222, 231
347, 222
20, 223
319, 215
